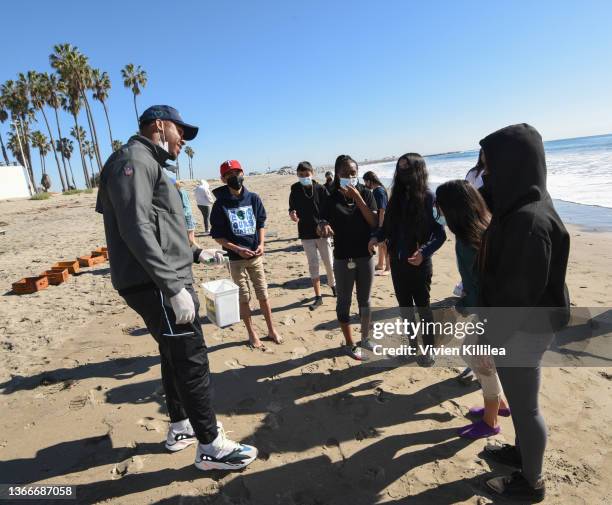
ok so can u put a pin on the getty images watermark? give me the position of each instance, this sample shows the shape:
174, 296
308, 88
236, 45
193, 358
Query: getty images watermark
511, 336
460, 330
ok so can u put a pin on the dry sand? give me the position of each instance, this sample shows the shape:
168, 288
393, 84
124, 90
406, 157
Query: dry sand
82, 404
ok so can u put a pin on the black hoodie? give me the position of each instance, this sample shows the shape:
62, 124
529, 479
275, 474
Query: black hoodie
526, 247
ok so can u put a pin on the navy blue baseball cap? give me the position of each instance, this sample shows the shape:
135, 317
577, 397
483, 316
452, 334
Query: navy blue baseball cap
167, 113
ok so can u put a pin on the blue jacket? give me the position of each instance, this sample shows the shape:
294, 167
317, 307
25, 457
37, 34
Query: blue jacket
189, 220
237, 218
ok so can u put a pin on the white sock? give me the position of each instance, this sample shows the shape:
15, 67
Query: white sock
214, 446
182, 426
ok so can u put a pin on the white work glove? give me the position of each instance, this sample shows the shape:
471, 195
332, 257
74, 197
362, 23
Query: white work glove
183, 307
215, 256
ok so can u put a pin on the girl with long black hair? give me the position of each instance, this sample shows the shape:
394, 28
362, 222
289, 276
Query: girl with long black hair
467, 217
413, 235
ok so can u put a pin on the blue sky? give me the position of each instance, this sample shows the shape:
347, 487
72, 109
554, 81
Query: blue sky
276, 82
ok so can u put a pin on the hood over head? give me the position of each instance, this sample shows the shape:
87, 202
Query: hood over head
516, 167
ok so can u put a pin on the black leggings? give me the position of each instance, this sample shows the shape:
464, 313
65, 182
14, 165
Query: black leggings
412, 286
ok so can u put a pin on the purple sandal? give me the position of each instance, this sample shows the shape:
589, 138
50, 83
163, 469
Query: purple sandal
479, 411
479, 429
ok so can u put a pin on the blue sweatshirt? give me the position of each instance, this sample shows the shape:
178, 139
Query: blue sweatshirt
237, 219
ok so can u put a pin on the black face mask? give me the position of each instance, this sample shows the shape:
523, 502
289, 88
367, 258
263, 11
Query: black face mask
235, 182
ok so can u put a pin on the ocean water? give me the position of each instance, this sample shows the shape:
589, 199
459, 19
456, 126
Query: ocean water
579, 176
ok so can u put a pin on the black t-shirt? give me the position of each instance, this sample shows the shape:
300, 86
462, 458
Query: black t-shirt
306, 201
351, 231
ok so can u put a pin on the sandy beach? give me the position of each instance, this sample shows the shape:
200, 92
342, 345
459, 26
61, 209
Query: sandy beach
82, 402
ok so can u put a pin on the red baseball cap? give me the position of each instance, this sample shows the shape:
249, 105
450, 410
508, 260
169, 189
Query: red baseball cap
228, 165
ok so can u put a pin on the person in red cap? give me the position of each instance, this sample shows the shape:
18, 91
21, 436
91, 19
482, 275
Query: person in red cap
237, 223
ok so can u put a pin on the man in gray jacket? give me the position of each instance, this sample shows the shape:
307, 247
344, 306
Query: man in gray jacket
150, 260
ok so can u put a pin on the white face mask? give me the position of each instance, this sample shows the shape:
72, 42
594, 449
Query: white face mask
305, 181
348, 181
163, 143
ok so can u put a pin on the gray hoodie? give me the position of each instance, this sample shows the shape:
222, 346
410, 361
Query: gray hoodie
143, 220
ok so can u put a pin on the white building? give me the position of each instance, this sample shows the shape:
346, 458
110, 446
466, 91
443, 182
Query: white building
13, 182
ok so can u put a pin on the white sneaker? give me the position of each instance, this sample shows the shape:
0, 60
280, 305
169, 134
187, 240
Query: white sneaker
367, 344
224, 454
177, 440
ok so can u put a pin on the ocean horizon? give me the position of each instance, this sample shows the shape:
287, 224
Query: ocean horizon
579, 176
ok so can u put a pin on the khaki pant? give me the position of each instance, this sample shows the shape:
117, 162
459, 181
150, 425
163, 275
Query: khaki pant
253, 269
313, 247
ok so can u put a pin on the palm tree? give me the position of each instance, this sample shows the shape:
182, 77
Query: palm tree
190, 152
14, 97
14, 145
66, 147
71, 102
101, 84
117, 145
74, 69
3, 117
78, 133
53, 95
88, 149
41, 142
38, 87
136, 78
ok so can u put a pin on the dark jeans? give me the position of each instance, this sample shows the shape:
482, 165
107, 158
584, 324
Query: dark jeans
184, 360
412, 286
205, 210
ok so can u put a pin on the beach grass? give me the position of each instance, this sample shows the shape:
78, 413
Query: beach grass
41, 196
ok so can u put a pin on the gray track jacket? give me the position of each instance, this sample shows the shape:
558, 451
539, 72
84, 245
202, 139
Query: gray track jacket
143, 220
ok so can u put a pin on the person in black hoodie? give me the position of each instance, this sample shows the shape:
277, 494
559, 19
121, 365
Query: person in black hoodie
523, 261
237, 223
413, 235
305, 200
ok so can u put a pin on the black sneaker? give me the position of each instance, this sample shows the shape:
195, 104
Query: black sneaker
505, 454
515, 487
466, 377
425, 361
318, 301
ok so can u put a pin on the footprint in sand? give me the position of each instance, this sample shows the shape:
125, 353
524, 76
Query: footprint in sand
312, 368
298, 352
134, 464
152, 424
78, 402
369, 432
452, 407
234, 364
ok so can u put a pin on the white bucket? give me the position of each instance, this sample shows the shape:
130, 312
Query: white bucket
221, 298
